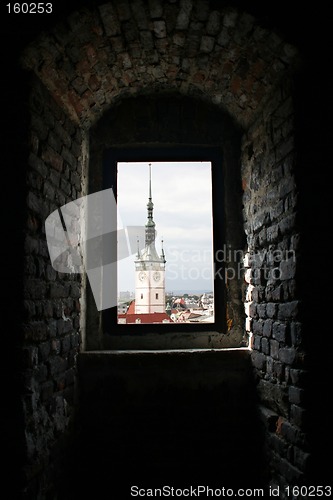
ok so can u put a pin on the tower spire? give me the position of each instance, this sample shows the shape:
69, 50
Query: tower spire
150, 196
150, 226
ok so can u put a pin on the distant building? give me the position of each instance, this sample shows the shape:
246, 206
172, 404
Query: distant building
150, 270
132, 317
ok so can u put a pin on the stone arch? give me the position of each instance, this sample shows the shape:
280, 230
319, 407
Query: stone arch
98, 56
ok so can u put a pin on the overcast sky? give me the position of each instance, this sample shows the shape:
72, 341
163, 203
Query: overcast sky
182, 198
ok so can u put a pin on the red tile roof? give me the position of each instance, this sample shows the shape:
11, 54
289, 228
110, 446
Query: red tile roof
145, 318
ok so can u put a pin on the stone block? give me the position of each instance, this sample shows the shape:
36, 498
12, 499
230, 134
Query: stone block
271, 309
274, 396
265, 346
268, 417
275, 349
65, 344
296, 333
110, 19
288, 310
288, 269
46, 390
258, 360
59, 290
279, 331
301, 459
267, 329
292, 434
159, 29
207, 44
213, 23
296, 395
287, 355
156, 8
257, 326
35, 331
44, 350
299, 416
30, 356
56, 365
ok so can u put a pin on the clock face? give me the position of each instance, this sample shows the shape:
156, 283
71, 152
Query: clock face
156, 276
142, 276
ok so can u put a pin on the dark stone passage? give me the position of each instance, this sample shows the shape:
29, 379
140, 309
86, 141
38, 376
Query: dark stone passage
176, 419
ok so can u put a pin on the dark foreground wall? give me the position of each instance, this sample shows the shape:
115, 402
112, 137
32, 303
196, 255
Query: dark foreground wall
175, 418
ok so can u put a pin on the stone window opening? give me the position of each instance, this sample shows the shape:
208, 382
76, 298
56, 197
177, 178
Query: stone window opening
109, 145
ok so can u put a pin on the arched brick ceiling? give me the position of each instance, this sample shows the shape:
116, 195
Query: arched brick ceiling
128, 47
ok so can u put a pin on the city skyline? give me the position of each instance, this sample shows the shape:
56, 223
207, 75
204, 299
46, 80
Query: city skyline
182, 197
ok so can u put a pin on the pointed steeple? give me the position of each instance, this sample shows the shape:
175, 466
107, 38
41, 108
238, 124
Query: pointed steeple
162, 252
150, 225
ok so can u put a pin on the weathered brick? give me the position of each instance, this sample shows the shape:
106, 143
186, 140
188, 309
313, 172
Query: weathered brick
268, 417
267, 329
261, 310
44, 350
50, 157
287, 355
299, 416
278, 444
213, 23
288, 310
292, 474
258, 360
30, 356
296, 333
65, 344
57, 365
110, 19
288, 269
275, 349
257, 343
279, 331
35, 331
265, 346
301, 459
296, 395
257, 326
46, 390
291, 433
274, 396
159, 29
35, 289
59, 290
75, 290
298, 377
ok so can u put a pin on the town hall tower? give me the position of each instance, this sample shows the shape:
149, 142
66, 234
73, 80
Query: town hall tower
150, 269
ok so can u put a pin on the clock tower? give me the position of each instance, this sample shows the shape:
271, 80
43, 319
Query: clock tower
150, 269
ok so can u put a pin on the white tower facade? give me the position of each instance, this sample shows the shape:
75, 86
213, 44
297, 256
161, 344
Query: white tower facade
150, 269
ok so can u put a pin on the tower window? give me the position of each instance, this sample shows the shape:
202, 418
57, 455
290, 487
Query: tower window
172, 217
169, 206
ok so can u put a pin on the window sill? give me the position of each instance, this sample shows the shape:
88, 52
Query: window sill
175, 341
96, 364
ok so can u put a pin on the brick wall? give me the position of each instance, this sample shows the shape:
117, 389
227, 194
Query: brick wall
51, 316
273, 295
